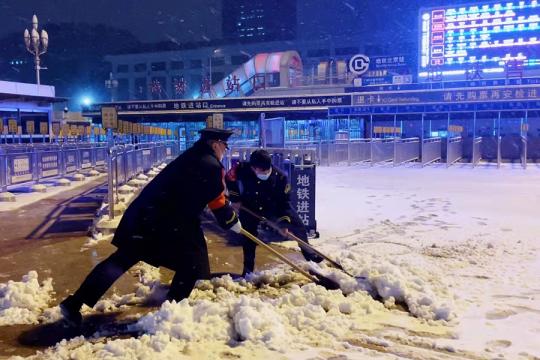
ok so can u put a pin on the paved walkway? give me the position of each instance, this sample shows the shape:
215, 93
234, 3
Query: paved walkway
48, 236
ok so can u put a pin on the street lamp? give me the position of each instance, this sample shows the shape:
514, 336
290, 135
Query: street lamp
36, 44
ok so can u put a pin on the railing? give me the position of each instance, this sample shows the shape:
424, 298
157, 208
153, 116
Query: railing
431, 150
333, 152
27, 164
382, 150
454, 150
523, 152
406, 150
476, 153
126, 161
33, 163
360, 150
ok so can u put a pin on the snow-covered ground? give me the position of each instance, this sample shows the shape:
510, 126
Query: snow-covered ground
451, 261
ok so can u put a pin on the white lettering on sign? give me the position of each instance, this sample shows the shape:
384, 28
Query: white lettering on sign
304, 218
52, 172
302, 193
303, 196
302, 207
21, 165
302, 180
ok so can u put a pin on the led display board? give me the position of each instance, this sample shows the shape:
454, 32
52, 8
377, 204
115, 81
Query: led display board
489, 38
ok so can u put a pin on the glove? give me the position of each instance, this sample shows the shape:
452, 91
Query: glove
237, 227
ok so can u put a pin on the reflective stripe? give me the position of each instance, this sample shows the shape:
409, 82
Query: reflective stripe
284, 218
231, 219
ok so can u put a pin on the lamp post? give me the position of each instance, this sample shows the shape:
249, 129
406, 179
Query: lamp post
36, 44
111, 84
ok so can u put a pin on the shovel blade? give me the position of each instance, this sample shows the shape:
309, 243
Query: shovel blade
324, 281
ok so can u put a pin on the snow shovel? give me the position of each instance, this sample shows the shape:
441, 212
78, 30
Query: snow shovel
314, 277
276, 227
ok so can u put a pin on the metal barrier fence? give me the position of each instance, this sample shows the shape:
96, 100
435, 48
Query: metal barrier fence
333, 152
431, 150
360, 151
382, 150
454, 150
126, 161
476, 153
406, 150
33, 163
30, 164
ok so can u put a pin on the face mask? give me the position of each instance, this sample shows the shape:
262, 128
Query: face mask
264, 176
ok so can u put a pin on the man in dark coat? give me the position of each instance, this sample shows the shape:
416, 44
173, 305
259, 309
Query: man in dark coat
264, 189
162, 227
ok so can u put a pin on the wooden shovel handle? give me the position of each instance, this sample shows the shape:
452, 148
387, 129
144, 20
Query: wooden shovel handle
279, 255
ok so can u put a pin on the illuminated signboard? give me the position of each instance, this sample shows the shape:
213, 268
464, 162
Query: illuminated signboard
486, 37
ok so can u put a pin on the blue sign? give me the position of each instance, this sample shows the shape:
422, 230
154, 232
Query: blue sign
303, 194
448, 96
246, 104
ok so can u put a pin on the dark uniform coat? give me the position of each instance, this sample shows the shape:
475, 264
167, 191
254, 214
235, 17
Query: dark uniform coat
269, 198
162, 224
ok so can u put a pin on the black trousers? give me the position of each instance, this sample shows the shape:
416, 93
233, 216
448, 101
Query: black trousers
296, 227
109, 270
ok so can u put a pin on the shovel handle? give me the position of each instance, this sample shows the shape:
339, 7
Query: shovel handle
296, 238
279, 255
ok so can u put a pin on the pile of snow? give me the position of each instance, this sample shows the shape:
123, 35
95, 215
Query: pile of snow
39, 188
79, 177
63, 182
23, 302
136, 183
126, 189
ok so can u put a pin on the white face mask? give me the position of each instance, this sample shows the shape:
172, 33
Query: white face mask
264, 176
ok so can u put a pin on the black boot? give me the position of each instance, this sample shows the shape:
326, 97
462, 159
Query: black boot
70, 309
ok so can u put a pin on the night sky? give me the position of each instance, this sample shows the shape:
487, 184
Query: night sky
150, 21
